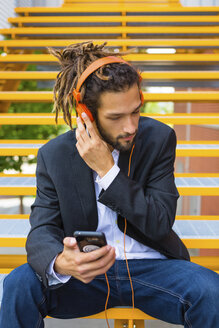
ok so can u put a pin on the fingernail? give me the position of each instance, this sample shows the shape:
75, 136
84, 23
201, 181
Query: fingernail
71, 241
84, 115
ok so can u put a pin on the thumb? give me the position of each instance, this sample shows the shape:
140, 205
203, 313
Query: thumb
70, 242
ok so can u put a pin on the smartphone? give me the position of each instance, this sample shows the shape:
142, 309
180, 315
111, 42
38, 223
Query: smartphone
89, 241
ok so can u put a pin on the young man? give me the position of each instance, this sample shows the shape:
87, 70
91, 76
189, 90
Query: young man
113, 175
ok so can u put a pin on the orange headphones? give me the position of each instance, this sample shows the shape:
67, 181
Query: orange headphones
80, 107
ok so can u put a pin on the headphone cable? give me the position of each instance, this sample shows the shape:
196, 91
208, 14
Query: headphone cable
127, 265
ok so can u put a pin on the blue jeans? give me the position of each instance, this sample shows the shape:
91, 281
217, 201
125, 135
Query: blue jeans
174, 291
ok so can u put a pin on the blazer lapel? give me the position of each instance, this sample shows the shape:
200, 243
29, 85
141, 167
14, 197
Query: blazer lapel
83, 180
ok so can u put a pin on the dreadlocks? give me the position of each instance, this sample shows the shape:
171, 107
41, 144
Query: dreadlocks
73, 61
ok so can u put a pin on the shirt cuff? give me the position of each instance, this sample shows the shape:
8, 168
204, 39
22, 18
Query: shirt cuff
108, 178
53, 277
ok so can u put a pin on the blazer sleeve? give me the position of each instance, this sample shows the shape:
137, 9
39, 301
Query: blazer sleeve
148, 206
45, 239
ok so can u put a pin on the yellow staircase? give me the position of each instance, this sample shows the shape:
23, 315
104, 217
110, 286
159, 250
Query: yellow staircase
192, 32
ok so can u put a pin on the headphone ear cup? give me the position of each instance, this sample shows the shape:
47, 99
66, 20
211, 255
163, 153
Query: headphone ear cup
142, 97
80, 108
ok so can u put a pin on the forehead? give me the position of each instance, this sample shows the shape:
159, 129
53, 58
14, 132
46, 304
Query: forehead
122, 101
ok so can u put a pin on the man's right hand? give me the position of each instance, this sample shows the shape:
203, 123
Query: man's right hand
83, 266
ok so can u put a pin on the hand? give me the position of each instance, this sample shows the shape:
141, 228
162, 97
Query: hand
83, 266
92, 148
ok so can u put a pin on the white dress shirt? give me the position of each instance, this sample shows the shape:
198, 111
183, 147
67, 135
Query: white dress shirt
107, 223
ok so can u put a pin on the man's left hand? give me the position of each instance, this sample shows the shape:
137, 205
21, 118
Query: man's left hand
92, 148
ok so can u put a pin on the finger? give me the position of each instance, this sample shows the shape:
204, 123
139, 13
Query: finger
99, 253
79, 137
81, 131
89, 125
103, 262
88, 271
100, 266
70, 243
80, 143
77, 134
89, 258
87, 278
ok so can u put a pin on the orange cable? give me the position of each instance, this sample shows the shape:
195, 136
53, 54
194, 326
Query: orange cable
127, 265
107, 298
130, 279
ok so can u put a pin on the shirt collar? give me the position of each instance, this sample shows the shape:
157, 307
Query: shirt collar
115, 154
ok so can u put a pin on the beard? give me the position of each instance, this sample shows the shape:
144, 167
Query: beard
115, 142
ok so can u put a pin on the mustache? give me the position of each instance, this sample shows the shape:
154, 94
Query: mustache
126, 135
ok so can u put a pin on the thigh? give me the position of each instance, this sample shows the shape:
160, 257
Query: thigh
167, 289
76, 299
23, 299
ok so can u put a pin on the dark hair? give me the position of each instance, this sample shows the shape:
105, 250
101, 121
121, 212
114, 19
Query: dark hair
74, 60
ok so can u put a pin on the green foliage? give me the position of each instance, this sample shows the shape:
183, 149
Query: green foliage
159, 107
27, 131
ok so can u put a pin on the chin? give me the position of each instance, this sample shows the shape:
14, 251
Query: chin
124, 147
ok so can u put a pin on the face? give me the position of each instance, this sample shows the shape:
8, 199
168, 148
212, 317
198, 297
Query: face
118, 116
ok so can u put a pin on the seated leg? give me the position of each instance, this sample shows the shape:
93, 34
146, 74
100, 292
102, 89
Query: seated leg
23, 303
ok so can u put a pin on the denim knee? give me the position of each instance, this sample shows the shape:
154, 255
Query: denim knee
20, 277
21, 283
210, 288
206, 289
23, 301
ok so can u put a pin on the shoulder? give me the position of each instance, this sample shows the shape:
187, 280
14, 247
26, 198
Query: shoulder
149, 126
155, 136
59, 145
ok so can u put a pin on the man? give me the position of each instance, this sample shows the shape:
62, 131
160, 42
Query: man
113, 175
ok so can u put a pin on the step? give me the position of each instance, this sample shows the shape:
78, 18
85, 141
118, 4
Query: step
9, 262
197, 148
178, 96
148, 2
147, 75
146, 43
194, 184
194, 233
20, 147
112, 8
178, 217
49, 119
111, 19
187, 184
104, 30
127, 2
30, 147
168, 58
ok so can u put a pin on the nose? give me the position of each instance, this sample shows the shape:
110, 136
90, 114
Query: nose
130, 125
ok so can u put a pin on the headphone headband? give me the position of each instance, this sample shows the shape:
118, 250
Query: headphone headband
92, 68
80, 108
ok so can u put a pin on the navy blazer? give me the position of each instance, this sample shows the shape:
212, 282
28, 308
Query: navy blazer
66, 202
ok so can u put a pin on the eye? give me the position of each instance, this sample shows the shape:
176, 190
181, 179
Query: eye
136, 112
115, 118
